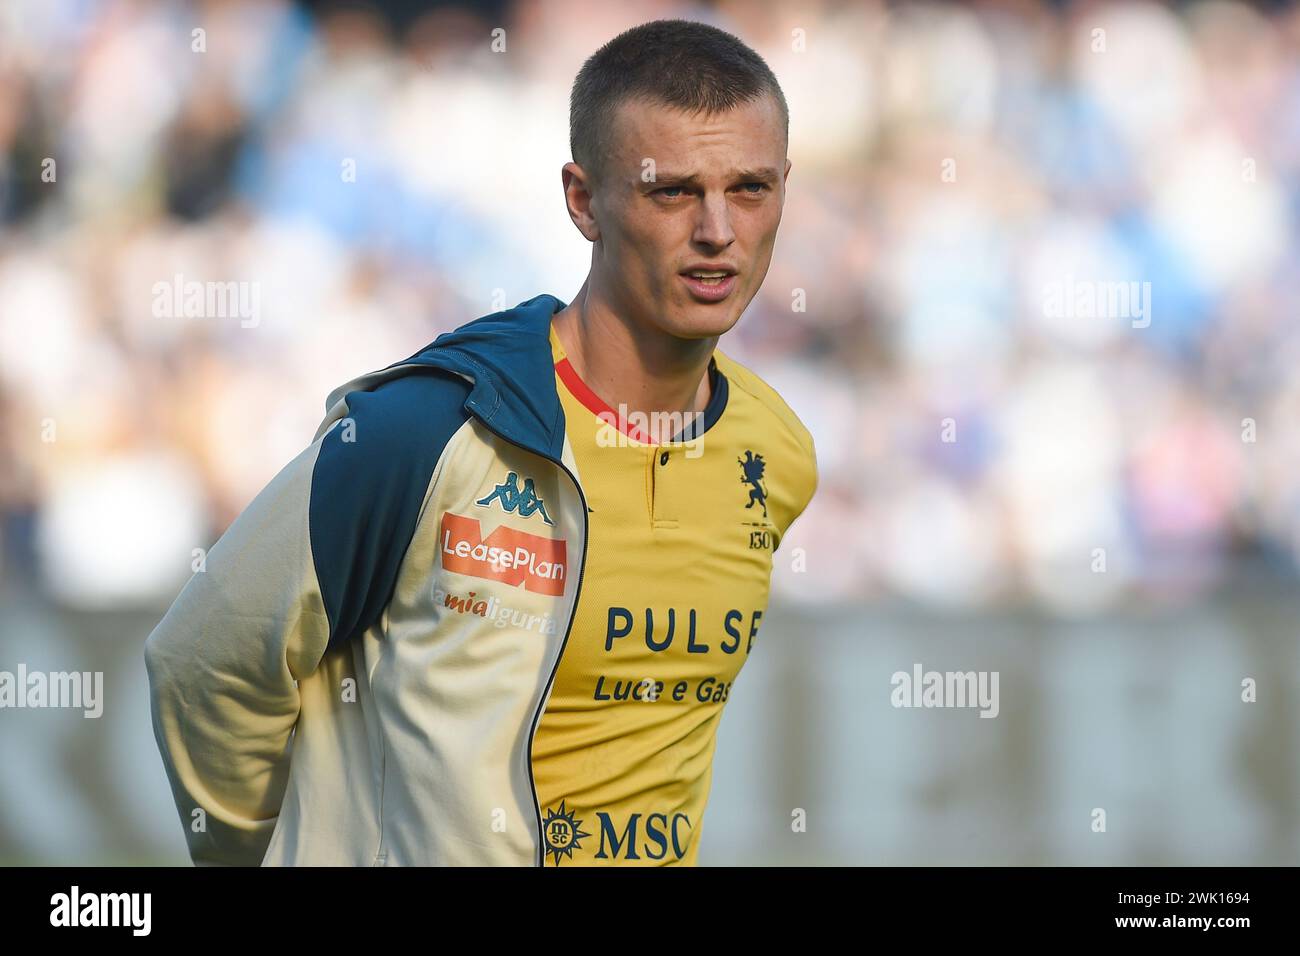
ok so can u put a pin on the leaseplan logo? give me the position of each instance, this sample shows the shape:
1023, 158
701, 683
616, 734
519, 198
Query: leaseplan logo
507, 554
563, 832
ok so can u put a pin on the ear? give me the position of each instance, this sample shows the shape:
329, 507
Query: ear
577, 199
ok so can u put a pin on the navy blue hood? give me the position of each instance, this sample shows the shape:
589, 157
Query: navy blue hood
508, 356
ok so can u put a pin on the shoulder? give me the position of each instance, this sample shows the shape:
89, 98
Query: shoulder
378, 452
770, 401
398, 416
384, 439
795, 448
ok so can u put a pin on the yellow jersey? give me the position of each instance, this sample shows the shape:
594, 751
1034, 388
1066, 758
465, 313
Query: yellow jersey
679, 559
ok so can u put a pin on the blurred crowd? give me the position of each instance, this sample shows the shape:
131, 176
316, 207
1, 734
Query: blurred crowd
969, 184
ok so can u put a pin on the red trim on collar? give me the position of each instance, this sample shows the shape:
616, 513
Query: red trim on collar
595, 403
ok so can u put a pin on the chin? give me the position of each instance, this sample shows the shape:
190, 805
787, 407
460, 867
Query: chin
698, 321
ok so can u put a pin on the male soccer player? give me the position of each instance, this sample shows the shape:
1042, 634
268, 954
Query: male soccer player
493, 613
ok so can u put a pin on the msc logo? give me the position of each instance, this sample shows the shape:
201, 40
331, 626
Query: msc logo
512, 499
563, 833
653, 836
752, 467
660, 830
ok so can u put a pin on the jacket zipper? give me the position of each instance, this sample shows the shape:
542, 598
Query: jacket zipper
550, 680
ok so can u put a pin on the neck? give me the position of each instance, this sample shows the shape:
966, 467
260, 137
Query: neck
626, 363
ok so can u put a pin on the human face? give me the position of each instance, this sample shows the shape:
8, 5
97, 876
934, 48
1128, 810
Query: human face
682, 193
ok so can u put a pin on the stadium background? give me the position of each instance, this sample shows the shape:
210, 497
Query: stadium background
950, 165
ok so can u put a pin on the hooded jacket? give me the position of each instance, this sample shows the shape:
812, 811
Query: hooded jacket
318, 699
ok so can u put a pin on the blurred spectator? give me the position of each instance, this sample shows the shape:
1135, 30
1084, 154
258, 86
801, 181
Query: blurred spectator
1037, 270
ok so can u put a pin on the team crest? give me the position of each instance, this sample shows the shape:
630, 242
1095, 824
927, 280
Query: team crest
563, 833
752, 467
514, 499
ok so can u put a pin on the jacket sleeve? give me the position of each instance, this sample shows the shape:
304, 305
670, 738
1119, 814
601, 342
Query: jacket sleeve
310, 562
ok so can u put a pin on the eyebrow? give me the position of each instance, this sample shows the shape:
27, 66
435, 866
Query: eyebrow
764, 174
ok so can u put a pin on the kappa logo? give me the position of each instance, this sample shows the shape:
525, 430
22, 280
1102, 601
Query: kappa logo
752, 467
563, 832
515, 500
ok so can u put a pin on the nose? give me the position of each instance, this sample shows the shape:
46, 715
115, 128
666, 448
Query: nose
714, 225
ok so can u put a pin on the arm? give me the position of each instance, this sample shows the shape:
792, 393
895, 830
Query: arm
222, 667
312, 561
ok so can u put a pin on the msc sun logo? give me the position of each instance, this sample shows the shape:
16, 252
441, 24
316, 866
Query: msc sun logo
752, 467
513, 499
563, 833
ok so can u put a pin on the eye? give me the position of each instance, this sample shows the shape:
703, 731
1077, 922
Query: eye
755, 192
667, 189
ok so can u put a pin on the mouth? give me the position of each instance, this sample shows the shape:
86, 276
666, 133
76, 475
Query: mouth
710, 285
